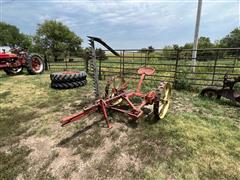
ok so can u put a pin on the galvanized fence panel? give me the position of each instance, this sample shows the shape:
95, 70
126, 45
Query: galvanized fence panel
171, 65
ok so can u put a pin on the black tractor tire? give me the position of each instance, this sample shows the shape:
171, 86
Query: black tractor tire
35, 64
68, 85
13, 71
210, 93
68, 76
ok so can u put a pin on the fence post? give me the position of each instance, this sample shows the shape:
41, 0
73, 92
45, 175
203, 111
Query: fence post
214, 68
176, 65
100, 69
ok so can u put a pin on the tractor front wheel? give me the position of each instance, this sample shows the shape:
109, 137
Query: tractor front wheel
35, 64
13, 71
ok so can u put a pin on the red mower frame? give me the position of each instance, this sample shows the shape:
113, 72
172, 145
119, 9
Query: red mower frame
160, 98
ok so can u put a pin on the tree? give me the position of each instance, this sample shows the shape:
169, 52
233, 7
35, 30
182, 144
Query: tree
203, 43
11, 36
232, 40
56, 38
151, 49
143, 50
100, 54
170, 52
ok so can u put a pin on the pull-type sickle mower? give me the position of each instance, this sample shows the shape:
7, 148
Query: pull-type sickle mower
160, 98
116, 94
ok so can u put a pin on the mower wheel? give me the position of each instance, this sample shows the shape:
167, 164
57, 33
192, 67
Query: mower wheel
68, 76
35, 64
162, 100
68, 85
13, 71
114, 86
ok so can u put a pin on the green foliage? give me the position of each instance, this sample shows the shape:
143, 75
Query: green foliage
181, 81
170, 52
232, 40
101, 55
11, 36
57, 38
203, 43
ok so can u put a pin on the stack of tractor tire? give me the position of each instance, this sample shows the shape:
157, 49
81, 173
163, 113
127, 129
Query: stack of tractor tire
68, 79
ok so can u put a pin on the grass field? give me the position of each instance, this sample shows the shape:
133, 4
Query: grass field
198, 139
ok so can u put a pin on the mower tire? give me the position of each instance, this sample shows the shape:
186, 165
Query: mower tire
68, 85
68, 76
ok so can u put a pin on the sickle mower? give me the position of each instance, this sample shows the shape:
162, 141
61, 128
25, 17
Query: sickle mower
117, 97
115, 94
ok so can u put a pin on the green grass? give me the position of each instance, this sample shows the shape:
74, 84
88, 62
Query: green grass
198, 139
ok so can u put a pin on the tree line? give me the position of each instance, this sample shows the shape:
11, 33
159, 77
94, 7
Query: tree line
232, 40
54, 39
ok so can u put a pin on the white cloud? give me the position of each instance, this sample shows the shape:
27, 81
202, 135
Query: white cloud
162, 22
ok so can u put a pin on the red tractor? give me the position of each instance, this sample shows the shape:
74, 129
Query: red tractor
14, 62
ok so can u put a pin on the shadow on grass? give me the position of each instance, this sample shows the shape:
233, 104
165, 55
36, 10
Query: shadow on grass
222, 101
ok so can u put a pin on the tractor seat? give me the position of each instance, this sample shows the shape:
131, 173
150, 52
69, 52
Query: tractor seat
146, 70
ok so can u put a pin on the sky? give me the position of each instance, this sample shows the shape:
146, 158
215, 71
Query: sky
127, 24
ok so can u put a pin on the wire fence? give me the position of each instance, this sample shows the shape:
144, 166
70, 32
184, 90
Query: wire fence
171, 65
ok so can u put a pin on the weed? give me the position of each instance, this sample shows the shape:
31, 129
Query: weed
181, 82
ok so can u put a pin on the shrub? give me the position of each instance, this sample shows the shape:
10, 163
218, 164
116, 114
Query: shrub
181, 82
